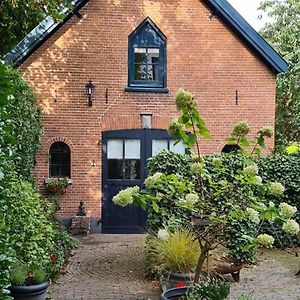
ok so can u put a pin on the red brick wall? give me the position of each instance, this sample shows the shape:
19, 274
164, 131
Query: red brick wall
203, 56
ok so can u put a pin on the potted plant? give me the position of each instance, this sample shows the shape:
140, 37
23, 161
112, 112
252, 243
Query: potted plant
175, 255
211, 289
28, 283
56, 185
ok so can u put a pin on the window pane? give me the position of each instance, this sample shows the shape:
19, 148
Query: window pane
153, 56
178, 148
54, 170
115, 149
133, 149
115, 169
153, 72
158, 145
132, 169
140, 72
140, 55
59, 160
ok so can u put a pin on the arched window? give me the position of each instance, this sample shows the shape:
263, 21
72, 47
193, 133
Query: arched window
147, 59
230, 148
59, 160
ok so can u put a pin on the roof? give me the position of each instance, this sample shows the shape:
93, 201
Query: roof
34, 39
220, 7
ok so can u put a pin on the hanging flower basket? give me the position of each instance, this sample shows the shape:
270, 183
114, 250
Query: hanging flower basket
57, 186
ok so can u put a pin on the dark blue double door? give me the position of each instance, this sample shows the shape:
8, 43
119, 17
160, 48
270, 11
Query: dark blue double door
124, 164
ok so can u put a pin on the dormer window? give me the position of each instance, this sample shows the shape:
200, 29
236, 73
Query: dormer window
147, 59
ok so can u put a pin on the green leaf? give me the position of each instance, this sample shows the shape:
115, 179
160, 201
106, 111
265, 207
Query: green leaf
155, 207
191, 140
231, 140
261, 141
204, 133
244, 142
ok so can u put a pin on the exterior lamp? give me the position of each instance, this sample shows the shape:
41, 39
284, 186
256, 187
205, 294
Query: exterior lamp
89, 87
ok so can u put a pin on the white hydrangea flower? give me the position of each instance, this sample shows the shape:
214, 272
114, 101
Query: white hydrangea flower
253, 215
276, 188
217, 162
125, 197
159, 196
265, 240
251, 170
192, 198
163, 234
258, 180
152, 180
287, 211
291, 227
197, 167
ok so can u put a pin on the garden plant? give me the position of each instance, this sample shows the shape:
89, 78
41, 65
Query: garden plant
33, 248
226, 192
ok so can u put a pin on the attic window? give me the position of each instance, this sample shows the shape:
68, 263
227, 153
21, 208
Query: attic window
147, 59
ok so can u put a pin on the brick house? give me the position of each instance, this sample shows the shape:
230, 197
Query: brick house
134, 55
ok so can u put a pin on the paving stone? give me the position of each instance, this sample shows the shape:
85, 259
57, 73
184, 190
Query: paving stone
106, 267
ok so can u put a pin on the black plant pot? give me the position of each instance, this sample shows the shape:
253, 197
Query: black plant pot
173, 294
177, 280
30, 292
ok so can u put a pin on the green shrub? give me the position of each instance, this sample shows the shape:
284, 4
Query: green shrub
31, 233
283, 168
20, 128
27, 227
168, 162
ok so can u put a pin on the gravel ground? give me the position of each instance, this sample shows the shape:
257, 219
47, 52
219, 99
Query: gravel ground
107, 267
273, 278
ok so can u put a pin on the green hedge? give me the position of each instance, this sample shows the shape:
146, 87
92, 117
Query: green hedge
20, 128
280, 167
283, 168
28, 232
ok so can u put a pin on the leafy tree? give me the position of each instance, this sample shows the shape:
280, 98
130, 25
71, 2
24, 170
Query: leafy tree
284, 34
19, 17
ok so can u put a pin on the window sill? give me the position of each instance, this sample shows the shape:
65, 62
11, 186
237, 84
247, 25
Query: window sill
49, 178
147, 89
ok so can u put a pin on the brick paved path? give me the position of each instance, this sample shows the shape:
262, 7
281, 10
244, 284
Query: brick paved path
106, 267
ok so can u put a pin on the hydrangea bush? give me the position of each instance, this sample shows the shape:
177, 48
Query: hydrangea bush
235, 200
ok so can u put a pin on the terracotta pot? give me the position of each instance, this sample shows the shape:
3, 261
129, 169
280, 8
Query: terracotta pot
52, 189
30, 292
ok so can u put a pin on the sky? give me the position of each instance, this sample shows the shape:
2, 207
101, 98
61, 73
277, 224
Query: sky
248, 9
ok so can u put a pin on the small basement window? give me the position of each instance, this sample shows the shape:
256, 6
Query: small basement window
59, 160
147, 59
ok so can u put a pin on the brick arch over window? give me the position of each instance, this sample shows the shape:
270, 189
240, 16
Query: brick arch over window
59, 139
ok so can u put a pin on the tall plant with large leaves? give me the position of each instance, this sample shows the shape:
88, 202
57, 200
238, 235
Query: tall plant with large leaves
283, 32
